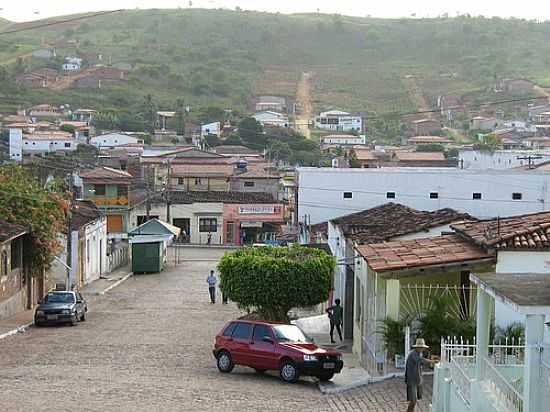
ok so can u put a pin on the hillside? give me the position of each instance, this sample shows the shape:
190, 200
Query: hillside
220, 58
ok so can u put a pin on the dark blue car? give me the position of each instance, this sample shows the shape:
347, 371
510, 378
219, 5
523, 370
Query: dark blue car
61, 307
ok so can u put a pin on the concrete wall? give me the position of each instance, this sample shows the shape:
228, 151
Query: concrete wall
95, 255
498, 160
112, 139
320, 190
12, 291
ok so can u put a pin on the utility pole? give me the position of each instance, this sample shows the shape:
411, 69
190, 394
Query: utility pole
167, 190
69, 232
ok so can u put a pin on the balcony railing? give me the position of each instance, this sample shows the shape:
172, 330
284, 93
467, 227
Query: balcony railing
110, 201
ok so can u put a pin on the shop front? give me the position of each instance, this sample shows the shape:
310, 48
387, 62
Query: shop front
246, 224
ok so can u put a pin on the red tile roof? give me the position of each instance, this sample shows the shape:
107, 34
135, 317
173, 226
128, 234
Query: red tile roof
530, 231
10, 230
429, 139
420, 156
390, 220
105, 172
202, 170
407, 254
83, 213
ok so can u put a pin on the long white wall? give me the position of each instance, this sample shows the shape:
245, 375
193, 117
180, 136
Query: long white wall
499, 159
321, 190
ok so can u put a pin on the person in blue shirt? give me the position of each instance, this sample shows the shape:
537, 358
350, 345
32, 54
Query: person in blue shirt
212, 280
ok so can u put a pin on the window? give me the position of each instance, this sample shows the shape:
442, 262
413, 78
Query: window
99, 190
181, 181
261, 331
198, 181
248, 184
242, 331
516, 196
476, 196
208, 225
141, 219
348, 195
229, 330
390, 195
88, 250
67, 145
434, 195
122, 191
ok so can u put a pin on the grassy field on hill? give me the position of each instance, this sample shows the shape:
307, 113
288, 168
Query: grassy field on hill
220, 58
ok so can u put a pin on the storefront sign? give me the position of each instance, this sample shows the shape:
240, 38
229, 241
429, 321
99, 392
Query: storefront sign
257, 210
251, 224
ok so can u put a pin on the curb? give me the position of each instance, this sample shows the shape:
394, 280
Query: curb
114, 285
19, 329
327, 388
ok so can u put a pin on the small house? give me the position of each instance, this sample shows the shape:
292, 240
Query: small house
150, 243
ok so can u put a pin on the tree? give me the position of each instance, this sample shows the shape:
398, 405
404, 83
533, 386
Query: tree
69, 128
278, 150
24, 202
180, 117
149, 113
233, 139
490, 142
252, 132
212, 140
273, 280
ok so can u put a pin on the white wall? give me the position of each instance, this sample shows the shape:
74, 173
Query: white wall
50, 145
96, 249
320, 190
112, 140
432, 232
16, 145
499, 159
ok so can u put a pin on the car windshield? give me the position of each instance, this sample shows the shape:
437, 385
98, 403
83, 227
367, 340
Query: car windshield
59, 298
290, 333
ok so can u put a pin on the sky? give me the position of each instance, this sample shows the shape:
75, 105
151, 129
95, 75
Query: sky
23, 10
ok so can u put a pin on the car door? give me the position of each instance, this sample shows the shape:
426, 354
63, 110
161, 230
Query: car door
262, 351
240, 343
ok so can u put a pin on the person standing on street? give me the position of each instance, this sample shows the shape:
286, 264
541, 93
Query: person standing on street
212, 280
413, 373
335, 315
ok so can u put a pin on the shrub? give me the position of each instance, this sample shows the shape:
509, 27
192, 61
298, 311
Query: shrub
272, 280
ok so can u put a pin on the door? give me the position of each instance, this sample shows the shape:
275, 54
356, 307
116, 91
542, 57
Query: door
263, 353
240, 343
114, 224
185, 225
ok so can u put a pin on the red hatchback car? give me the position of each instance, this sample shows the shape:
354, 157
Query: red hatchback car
272, 346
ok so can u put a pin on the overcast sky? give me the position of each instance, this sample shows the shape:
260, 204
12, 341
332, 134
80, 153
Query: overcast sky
21, 10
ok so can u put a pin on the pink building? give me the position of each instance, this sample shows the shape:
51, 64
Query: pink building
252, 223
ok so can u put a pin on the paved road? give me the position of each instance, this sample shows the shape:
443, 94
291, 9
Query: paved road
146, 346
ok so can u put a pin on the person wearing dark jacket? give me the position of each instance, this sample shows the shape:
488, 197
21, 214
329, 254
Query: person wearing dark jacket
413, 373
336, 316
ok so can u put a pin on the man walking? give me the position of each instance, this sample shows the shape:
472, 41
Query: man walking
212, 280
413, 373
335, 315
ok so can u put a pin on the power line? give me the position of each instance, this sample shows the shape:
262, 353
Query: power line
54, 23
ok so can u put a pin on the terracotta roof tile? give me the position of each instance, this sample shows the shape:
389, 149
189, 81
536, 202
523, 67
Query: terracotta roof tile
10, 230
181, 197
399, 255
530, 231
105, 172
420, 156
391, 220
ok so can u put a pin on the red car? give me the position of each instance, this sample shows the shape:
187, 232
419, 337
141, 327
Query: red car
272, 346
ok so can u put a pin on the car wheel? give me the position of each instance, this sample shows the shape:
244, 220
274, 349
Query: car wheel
74, 320
224, 362
83, 317
260, 370
38, 324
325, 377
288, 372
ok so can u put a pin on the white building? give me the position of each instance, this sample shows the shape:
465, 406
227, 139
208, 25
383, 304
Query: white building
344, 139
326, 193
110, 140
70, 67
214, 128
500, 159
39, 142
338, 120
271, 119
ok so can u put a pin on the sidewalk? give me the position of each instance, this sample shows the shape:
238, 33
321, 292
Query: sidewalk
353, 375
18, 323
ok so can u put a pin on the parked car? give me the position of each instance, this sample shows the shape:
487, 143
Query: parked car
61, 307
272, 346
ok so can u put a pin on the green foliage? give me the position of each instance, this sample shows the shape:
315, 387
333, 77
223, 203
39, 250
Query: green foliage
430, 147
490, 143
69, 128
352, 158
272, 280
23, 201
212, 140
252, 133
393, 332
514, 332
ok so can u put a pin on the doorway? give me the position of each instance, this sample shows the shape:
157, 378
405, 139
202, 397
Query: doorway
185, 225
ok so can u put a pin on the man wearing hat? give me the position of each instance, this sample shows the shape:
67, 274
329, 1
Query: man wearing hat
413, 373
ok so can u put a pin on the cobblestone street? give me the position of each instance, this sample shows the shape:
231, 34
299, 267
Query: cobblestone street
146, 346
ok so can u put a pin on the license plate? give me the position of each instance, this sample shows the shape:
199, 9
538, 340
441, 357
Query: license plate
51, 317
329, 365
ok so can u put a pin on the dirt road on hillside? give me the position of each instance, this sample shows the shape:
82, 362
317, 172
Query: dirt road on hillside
304, 107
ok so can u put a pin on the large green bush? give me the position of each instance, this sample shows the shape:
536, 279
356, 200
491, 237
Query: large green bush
272, 280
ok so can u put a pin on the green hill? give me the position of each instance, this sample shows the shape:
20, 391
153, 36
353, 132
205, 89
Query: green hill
220, 58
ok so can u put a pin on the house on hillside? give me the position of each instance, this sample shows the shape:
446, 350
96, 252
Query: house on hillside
339, 120
110, 140
256, 177
17, 291
416, 140
484, 123
271, 103
44, 53
84, 115
37, 78
197, 177
45, 110
343, 139
421, 159
516, 87
211, 129
272, 119
425, 127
